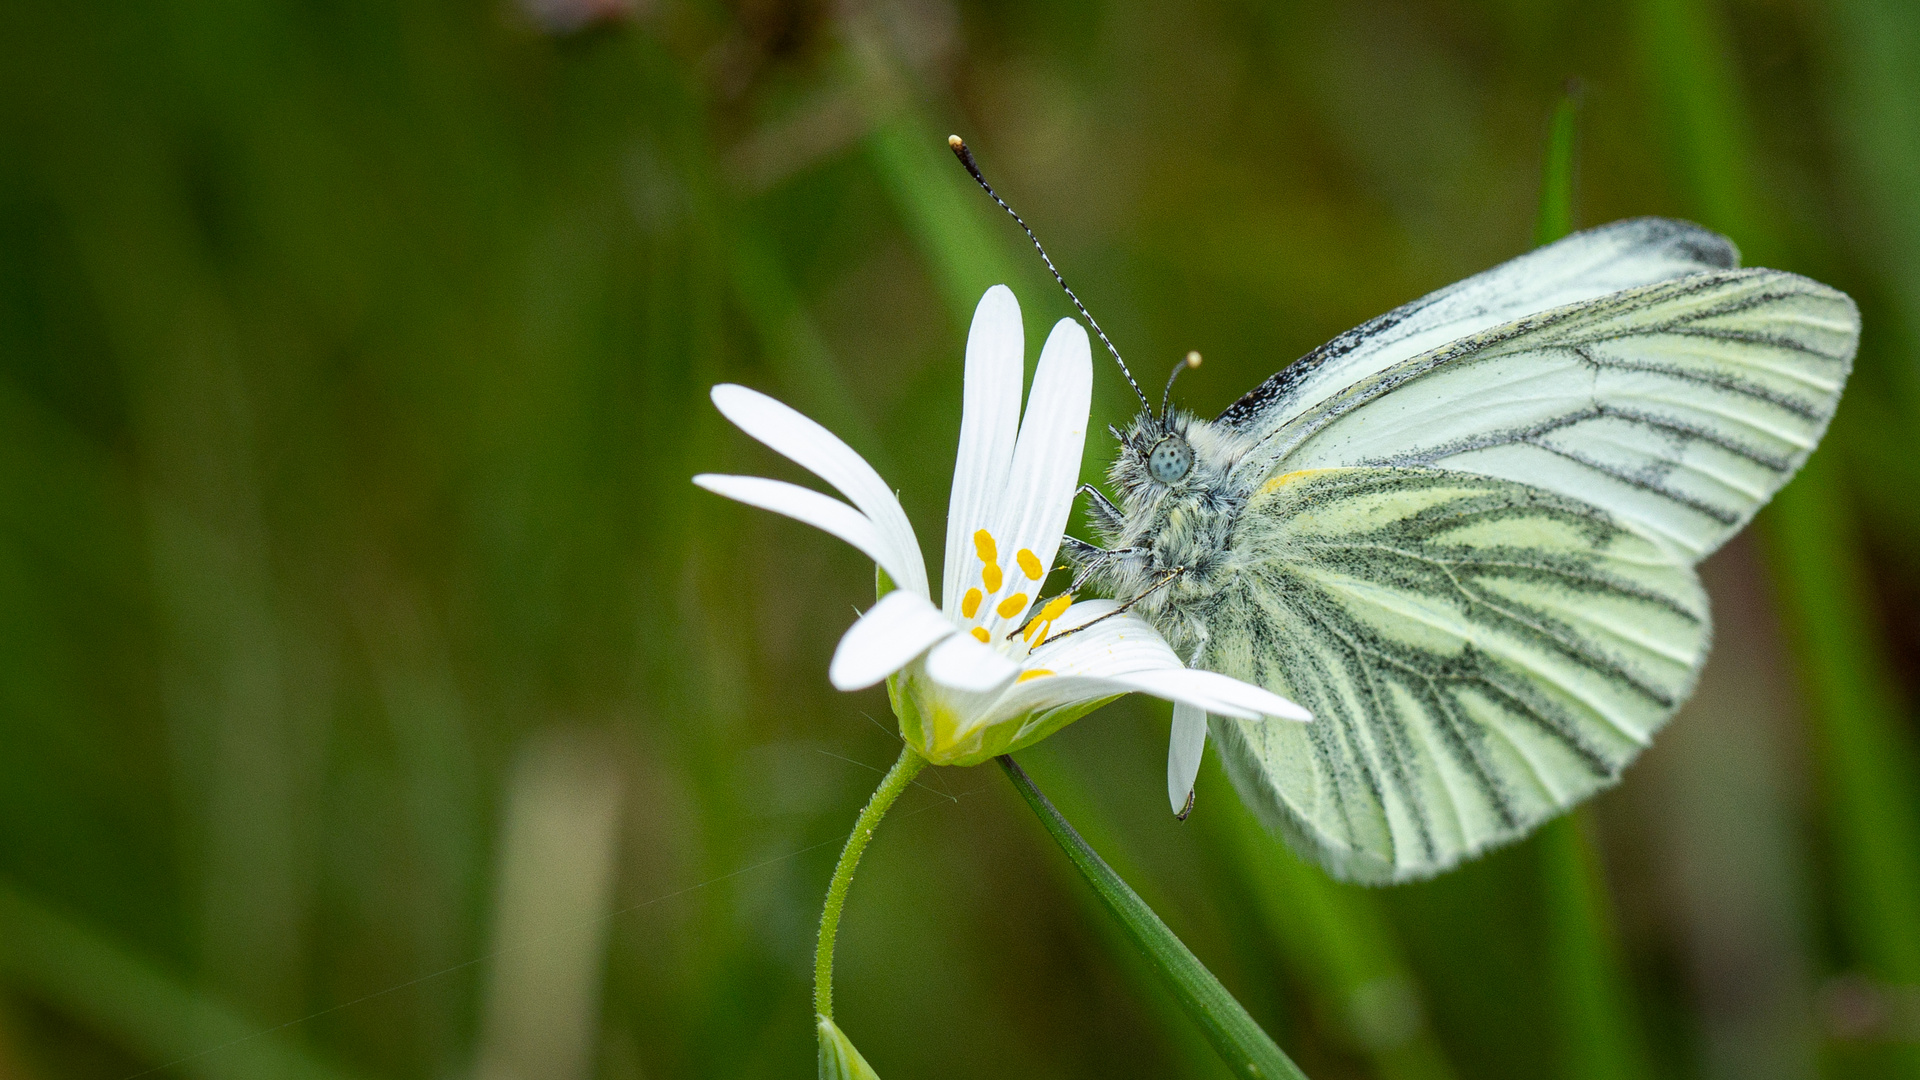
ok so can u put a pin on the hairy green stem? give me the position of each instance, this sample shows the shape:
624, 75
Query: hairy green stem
896, 781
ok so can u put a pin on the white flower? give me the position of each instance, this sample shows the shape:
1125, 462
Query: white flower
976, 676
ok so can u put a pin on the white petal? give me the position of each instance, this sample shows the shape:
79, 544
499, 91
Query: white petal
1184, 748
820, 452
1046, 462
989, 422
1103, 641
1212, 691
887, 638
1123, 653
820, 511
965, 664
1086, 611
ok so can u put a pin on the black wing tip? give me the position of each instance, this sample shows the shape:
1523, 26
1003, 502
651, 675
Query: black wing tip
1693, 242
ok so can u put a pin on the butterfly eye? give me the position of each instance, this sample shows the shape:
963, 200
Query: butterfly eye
1170, 459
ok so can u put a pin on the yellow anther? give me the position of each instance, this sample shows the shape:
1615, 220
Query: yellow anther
1042, 624
1033, 674
984, 546
981, 633
1029, 564
991, 575
970, 603
1012, 605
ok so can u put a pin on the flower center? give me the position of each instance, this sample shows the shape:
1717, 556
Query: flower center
1028, 573
979, 601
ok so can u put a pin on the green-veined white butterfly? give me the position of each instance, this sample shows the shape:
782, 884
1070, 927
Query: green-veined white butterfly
1463, 534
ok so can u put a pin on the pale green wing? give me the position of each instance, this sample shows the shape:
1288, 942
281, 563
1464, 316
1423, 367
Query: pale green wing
1584, 266
1478, 656
1681, 407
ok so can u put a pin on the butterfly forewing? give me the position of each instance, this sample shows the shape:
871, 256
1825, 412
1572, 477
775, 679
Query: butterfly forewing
1584, 266
1478, 655
1680, 407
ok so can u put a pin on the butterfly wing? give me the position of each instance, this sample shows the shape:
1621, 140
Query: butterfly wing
1583, 266
1478, 656
1680, 407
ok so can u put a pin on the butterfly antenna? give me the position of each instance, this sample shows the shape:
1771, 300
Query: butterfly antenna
1192, 361
965, 155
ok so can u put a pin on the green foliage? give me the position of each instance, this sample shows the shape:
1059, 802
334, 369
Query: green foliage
353, 362
1599, 1037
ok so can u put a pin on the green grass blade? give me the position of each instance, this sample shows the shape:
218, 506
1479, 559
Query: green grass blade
1337, 942
1867, 763
1866, 759
70, 966
1239, 1041
1598, 1035
793, 344
1879, 123
1556, 185
1181, 1041
935, 198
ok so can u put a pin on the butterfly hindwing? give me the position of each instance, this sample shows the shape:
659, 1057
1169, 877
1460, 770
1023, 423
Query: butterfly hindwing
1478, 655
1680, 406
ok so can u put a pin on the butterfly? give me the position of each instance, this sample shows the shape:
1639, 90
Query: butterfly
1464, 534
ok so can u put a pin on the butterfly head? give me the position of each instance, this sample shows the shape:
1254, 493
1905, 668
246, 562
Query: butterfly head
1171, 458
1174, 453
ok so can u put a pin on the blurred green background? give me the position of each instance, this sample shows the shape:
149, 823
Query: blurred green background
378, 699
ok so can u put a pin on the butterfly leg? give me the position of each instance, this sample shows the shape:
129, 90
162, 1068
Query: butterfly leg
1105, 515
1079, 551
1089, 559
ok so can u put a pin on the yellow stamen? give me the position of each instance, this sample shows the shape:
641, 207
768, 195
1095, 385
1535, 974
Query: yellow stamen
1033, 674
991, 575
981, 633
970, 603
1029, 564
1040, 625
1012, 605
983, 544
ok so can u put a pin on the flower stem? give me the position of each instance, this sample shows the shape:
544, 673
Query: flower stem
891, 786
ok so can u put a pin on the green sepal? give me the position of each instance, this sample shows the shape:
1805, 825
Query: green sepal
839, 1060
984, 745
